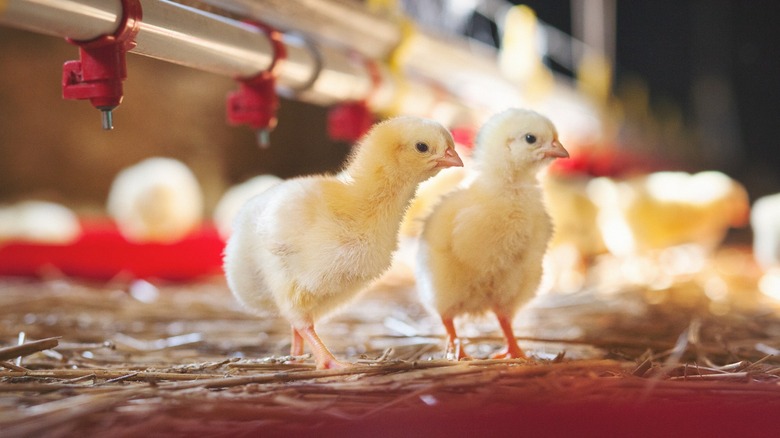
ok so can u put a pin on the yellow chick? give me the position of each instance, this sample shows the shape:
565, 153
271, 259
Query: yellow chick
310, 244
39, 222
482, 247
765, 221
664, 209
235, 197
156, 200
576, 240
574, 215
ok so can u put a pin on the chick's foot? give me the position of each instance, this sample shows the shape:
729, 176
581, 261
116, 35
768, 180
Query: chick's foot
512, 350
296, 346
322, 356
508, 353
455, 348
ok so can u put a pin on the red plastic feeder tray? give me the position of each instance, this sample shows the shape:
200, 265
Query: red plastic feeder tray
102, 253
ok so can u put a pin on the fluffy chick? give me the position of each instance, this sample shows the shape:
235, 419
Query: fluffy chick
574, 215
310, 244
684, 207
663, 209
765, 221
39, 222
482, 247
156, 200
236, 196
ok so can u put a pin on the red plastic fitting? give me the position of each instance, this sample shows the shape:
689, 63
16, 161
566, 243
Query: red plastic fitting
255, 102
349, 121
464, 135
99, 72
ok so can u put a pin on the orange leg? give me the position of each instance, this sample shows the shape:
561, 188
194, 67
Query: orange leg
512, 350
322, 356
454, 344
296, 347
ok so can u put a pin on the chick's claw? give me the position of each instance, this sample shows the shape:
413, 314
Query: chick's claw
322, 356
454, 343
455, 350
332, 364
510, 353
512, 350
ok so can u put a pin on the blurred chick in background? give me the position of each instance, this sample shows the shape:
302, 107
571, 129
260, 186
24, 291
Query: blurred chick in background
38, 222
482, 247
156, 200
665, 209
765, 221
576, 240
574, 215
310, 244
235, 197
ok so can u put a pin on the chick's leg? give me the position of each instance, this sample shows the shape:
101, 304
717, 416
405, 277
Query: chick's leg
454, 344
512, 350
296, 347
322, 356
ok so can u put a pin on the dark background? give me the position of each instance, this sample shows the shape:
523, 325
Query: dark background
675, 46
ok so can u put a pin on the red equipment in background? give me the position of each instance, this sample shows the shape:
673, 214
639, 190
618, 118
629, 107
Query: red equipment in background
255, 102
99, 72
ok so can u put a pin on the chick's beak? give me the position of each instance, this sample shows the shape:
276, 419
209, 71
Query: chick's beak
450, 159
556, 150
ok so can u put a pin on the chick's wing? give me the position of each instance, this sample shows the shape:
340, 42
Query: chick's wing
316, 246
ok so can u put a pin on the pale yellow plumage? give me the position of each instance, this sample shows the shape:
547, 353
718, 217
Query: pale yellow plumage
235, 197
38, 221
765, 221
574, 214
156, 200
482, 247
663, 209
686, 208
310, 244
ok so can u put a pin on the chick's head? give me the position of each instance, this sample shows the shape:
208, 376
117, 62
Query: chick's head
411, 146
518, 139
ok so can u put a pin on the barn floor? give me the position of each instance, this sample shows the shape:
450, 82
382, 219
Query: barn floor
133, 358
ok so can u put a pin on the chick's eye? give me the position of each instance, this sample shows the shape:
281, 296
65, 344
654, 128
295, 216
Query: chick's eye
422, 147
530, 138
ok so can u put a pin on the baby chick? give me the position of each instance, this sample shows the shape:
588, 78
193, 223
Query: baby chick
40, 222
156, 200
236, 196
310, 244
663, 209
482, 247
765, 220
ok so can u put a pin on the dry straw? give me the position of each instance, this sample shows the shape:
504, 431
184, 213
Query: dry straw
99, 358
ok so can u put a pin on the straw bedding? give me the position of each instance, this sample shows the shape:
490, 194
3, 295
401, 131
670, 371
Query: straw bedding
133, 358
